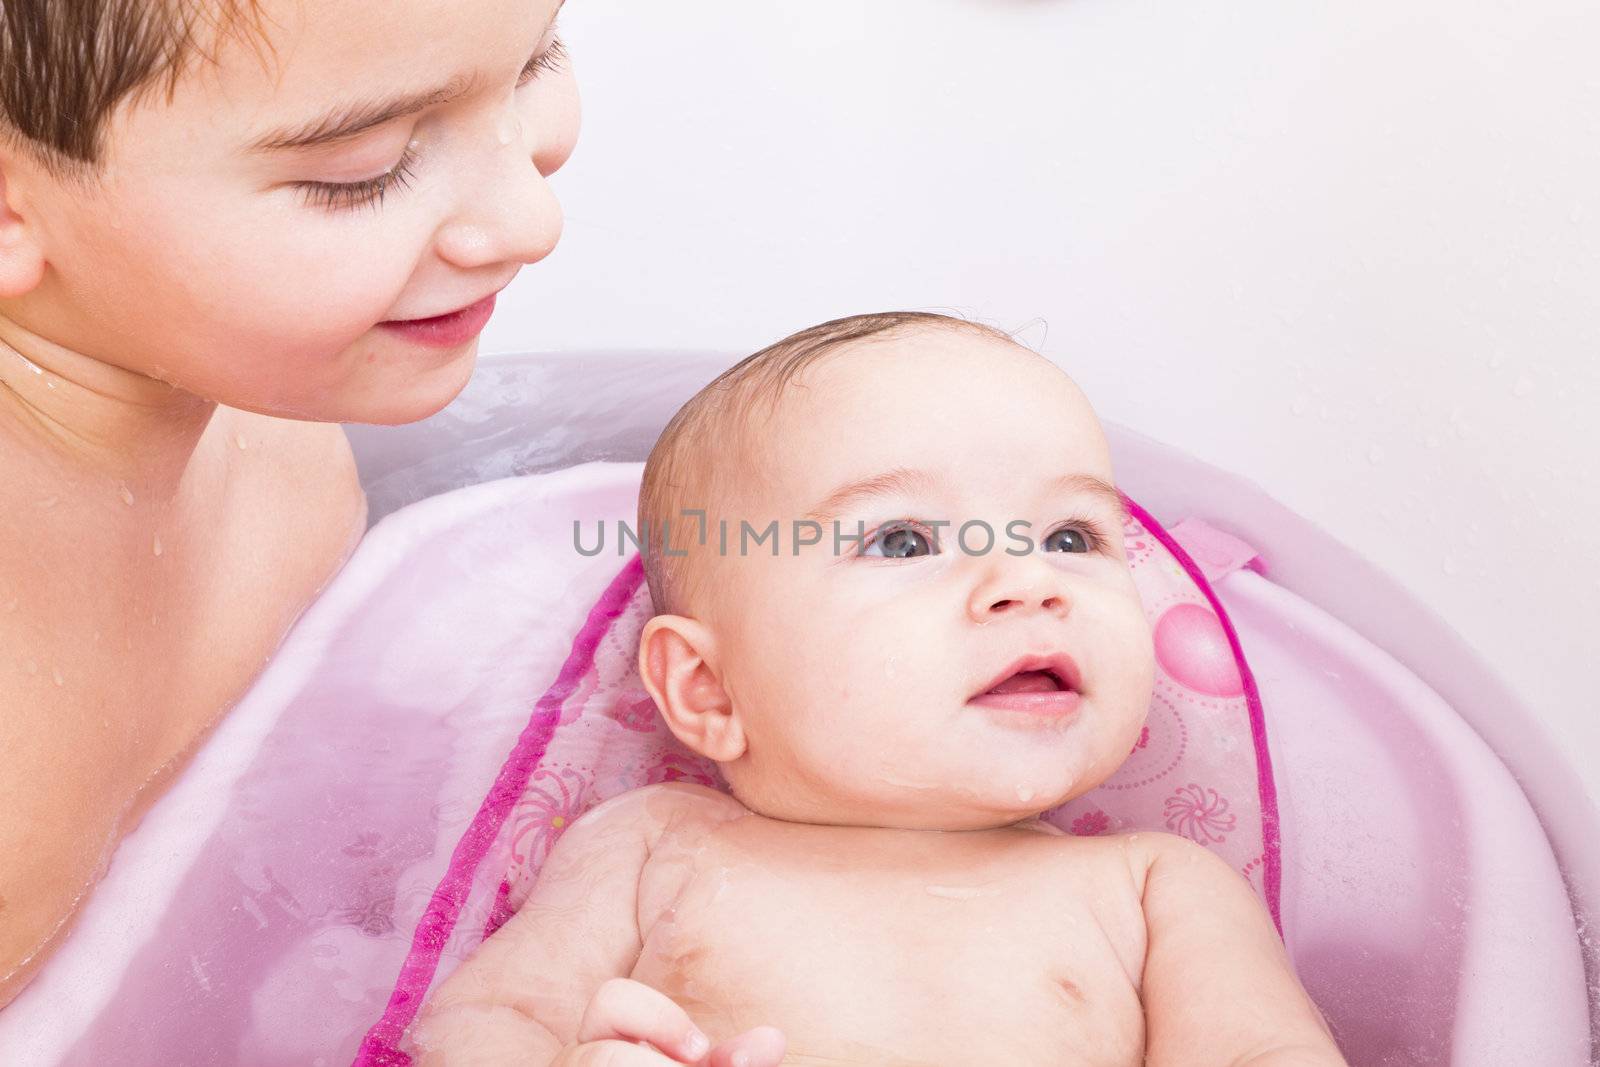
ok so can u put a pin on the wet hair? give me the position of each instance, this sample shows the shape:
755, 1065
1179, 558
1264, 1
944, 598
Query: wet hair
67, 65
710, 441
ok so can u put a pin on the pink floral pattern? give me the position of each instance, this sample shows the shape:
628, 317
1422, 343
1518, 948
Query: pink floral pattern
1091, 823
1199, 814
1133, 537
634, 709
553, 800
681, 767
1144, 739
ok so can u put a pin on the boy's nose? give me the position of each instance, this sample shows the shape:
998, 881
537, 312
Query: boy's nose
511, 217
1019, 586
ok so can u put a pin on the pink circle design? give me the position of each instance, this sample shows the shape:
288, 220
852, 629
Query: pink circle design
1140, 760
1193, 649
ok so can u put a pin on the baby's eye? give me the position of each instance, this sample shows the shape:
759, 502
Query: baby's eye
898, 540
1080, 538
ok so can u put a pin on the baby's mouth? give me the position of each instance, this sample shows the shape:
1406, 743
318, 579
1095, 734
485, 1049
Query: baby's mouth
1043, 681
1039, 686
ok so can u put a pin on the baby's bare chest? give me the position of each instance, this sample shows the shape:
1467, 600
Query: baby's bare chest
880, 951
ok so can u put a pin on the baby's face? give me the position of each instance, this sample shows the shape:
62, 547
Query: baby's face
860, 677
213, 255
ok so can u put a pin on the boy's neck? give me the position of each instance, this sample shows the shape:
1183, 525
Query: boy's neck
97, 417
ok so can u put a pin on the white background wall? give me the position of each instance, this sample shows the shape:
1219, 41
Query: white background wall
1349, 250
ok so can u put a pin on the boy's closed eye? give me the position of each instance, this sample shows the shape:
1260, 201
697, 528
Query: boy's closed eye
346, 142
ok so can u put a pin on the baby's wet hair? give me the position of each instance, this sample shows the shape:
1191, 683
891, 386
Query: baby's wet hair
66, 66
715, 434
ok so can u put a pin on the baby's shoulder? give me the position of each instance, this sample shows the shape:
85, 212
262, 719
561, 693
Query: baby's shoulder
1134, 851
666, 808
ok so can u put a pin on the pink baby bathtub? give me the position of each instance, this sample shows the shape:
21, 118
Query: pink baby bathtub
270, 909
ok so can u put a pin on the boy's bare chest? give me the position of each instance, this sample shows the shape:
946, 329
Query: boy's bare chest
861, 954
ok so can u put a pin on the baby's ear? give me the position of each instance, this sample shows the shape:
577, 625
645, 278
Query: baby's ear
21, 255
675, 661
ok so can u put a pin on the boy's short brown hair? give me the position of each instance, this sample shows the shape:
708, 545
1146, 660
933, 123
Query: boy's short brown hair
66, 65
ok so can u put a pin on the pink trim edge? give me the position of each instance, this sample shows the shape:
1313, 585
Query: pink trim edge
381, 1046
1272, 876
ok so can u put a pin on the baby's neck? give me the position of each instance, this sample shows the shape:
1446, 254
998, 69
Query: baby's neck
94, 418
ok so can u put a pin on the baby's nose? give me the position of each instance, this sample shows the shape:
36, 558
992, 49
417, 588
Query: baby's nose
1019, 591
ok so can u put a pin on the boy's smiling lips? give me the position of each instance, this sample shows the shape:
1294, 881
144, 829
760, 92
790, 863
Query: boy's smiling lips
448, 330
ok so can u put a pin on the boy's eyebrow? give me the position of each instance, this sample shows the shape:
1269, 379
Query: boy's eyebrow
909, 481
355, 119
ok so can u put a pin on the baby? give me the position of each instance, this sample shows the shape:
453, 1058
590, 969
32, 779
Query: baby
891, 715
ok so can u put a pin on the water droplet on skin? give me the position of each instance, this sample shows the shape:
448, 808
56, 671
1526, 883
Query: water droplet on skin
157, 545
60, 681
241, 442
959, 892
1024, 794
33, 667
126, 494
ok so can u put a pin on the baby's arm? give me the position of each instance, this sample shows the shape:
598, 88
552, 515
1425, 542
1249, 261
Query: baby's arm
1218, 989
521, 998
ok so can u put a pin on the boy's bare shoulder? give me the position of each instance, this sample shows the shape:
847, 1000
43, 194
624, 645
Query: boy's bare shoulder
302, 471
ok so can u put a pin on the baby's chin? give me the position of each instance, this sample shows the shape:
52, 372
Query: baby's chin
917, 806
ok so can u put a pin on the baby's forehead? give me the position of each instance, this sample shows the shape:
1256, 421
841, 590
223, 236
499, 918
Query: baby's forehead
956, 440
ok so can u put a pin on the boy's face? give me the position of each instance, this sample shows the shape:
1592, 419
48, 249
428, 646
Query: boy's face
275, 278
859, 677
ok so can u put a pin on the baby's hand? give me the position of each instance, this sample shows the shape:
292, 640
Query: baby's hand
622, 1013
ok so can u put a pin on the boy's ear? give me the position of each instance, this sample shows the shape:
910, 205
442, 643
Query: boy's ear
674, 662
21, 255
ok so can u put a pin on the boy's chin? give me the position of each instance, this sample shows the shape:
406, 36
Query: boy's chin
390, 396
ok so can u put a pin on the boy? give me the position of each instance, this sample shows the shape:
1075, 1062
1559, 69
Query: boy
224, 225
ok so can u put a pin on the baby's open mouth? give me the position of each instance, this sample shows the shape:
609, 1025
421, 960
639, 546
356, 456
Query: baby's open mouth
1029, 682
1044, 686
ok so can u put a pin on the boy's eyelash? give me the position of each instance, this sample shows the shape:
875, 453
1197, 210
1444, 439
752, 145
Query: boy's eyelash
339, 196
550, 61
